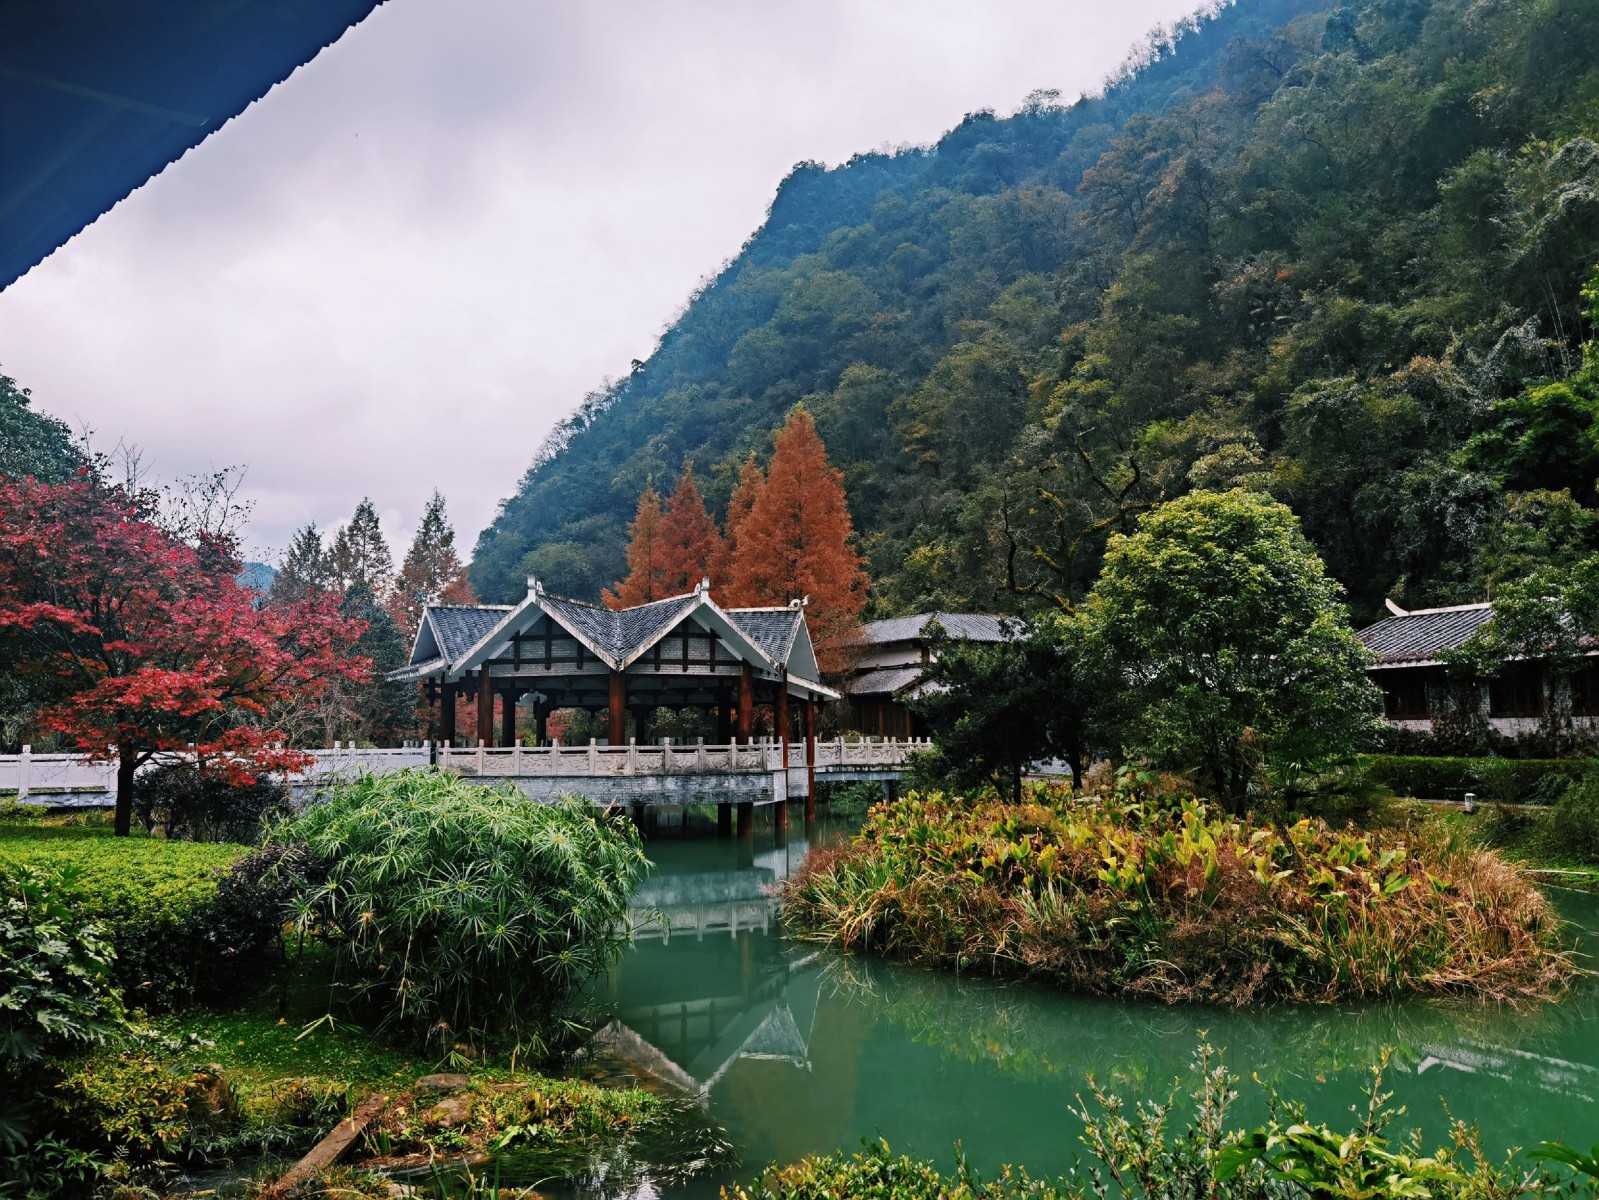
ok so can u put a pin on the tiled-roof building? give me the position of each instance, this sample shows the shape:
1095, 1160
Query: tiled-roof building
1416, 688
552, 653
889, 657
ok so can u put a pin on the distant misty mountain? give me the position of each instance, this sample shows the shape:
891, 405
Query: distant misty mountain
257, 576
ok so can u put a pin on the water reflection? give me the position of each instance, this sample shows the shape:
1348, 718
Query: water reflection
796, 1051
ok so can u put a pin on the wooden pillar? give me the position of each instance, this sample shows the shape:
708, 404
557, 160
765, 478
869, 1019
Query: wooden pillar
618, 709
641, 716
447, 714
541, 722
782, 712
746, 703
508, 718
746, 821
724, 718
724, 820
485, 706
810, 759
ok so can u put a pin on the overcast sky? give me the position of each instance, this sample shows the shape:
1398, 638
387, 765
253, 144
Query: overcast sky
400, 268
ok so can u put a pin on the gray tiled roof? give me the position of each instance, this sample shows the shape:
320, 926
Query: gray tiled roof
618, 633
772, 629
971, 627
1423, 635
461, 626
882, 681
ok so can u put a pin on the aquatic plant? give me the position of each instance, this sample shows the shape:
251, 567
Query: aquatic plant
1182, 1146
466, 913
1172, 901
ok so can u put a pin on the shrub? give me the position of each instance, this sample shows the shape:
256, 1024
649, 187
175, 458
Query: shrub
190, 804
464, 911
853, 799
149, 896
56, 992
1572, 829
1177, 904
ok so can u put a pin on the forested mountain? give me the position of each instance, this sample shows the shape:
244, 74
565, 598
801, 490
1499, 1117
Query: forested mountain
1333, 251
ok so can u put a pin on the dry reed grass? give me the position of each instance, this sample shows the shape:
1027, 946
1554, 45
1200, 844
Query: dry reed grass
1175, 903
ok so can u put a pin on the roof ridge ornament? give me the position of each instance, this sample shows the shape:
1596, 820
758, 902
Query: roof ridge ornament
534, 587
1395, 609
799, 602
703, 587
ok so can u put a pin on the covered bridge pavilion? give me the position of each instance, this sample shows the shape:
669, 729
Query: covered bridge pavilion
551, 653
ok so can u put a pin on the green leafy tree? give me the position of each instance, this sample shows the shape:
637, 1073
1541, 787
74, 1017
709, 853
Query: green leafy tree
31, 442
1233, 644
996, 707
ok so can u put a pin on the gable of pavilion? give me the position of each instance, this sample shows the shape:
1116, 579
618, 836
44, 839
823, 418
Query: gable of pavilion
550, 652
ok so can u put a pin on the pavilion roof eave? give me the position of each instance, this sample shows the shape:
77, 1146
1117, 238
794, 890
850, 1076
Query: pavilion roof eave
724, 625
417, 672
481, 650
818, 690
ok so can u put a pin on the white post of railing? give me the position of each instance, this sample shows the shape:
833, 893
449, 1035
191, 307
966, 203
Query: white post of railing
699, 756
632, 756
594, 757
24, 770
516, 757
480, 757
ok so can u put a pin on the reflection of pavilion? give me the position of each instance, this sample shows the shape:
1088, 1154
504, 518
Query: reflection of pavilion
716, 988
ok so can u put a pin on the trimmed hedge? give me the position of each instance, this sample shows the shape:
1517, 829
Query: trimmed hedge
1494, 780
149, 894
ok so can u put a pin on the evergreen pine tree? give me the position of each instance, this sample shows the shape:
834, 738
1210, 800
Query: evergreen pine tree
360, 555
796, 540
432, 573
691, 548
306, 569
646, 576
376, 712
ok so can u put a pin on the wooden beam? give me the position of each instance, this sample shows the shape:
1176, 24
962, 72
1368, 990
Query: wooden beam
618, 708
746, 703
485, 706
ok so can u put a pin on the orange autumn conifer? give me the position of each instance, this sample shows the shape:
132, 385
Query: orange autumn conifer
646, 577
739, 506
796, 540
691, 548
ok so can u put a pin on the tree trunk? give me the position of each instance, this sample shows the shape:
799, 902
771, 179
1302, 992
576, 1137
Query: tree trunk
126, 761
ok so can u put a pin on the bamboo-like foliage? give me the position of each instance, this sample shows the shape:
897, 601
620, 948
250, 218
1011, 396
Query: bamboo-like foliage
468, 913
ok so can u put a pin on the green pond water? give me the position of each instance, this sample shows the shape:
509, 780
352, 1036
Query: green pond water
795, 1051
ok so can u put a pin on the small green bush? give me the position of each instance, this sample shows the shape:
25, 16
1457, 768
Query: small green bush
467, 912
189, 804
149, 895
1572, 829
1494, 780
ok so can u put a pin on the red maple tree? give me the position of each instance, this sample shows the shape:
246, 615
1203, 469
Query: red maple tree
646, 568
691, 547
796, 540
739, 507
140, 643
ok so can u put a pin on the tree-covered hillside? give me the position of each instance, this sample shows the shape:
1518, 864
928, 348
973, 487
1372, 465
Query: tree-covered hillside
1336, 252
